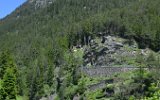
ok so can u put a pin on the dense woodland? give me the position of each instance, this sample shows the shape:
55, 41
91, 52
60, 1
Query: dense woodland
36, 45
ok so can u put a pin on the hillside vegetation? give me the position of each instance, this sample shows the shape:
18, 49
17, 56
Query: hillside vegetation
37, 43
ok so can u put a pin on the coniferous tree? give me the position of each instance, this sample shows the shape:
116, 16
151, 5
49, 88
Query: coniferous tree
157, 41
9, 75
5, 62
151, 60
50, 75
9, 84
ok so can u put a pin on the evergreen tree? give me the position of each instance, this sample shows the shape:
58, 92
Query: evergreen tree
1, 90
140, 61
5, 62
157, 41
9, 84
50, 75
9, 75
151, 60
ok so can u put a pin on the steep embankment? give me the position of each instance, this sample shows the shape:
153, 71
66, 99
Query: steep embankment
109, 63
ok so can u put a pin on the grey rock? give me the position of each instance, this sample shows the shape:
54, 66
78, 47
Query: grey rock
51, 97
100, 85
76, 97
117, 44
41, 3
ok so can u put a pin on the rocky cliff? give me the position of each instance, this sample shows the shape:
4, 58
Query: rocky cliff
111, 50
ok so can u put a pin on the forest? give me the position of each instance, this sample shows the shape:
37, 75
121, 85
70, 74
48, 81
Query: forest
37, 58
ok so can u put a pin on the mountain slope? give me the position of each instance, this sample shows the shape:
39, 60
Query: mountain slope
41, 36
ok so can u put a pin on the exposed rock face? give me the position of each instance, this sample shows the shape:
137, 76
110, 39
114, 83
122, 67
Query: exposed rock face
41, 3
110, 51
101, 53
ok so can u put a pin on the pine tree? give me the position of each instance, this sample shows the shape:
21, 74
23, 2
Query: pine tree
9, 84
8, 76
1, 90
50, 75
37, 81
4, 63
140, 61
151, 60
